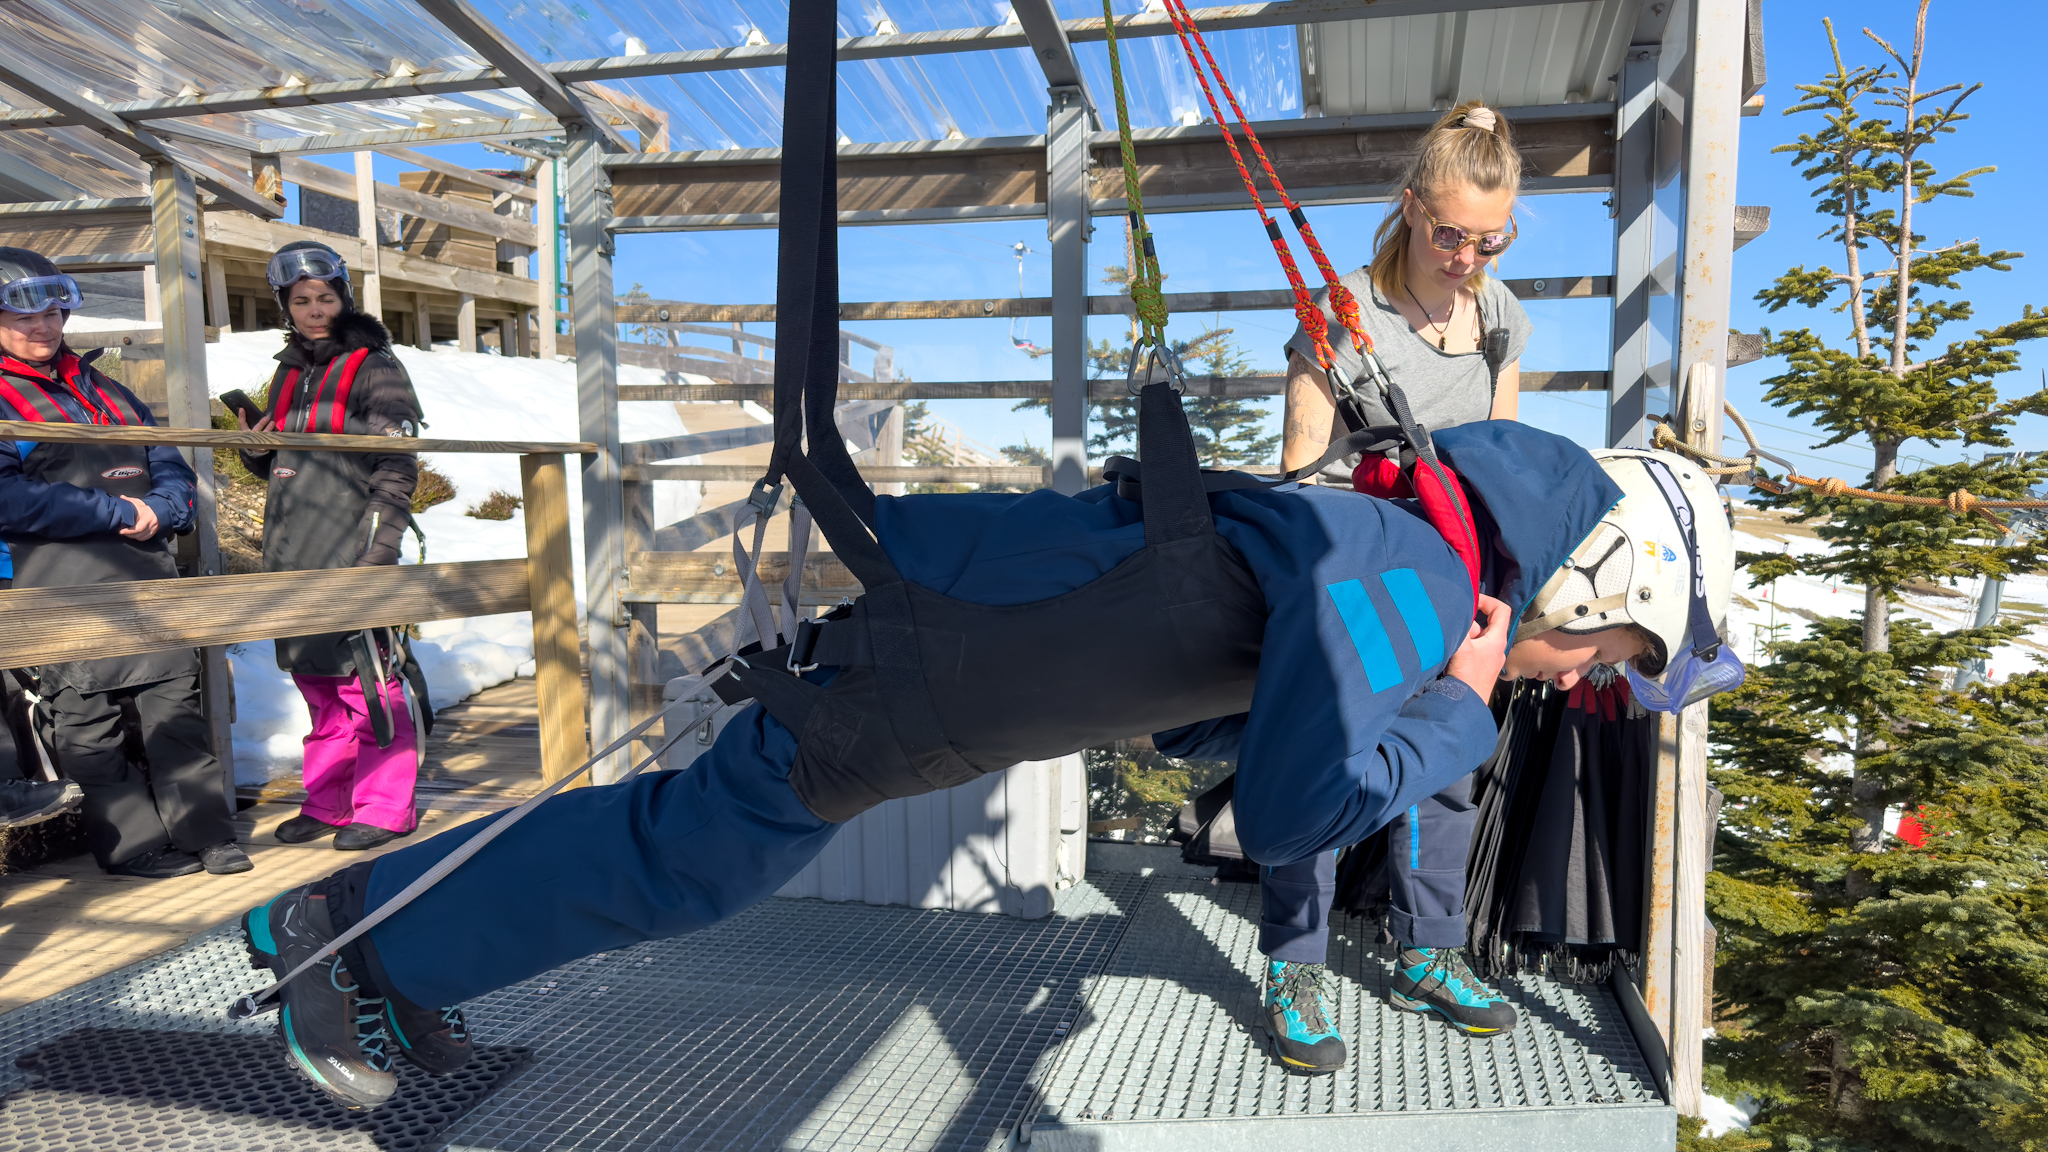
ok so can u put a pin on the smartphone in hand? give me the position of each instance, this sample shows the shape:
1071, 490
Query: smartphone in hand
238, 401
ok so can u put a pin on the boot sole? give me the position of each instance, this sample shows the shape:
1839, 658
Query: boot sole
65, 804
262, 960
1297, 1067
1425, 1008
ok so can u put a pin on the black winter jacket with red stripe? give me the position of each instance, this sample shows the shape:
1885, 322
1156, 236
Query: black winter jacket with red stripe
336, 509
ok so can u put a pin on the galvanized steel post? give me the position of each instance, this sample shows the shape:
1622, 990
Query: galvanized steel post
1636, 366
1067, 226
589, 213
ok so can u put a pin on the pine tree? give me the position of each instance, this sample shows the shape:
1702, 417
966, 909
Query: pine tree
1873, 994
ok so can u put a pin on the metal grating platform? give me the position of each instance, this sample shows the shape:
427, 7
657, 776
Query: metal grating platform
1123, 1021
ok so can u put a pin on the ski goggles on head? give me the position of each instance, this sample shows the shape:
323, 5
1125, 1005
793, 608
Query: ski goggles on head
288, 268
34, 294
1450, 237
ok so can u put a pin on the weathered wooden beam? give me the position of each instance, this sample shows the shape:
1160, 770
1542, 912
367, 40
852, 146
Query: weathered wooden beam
1332, 158
510, 188
550, 570
709, 577
453, 213
688, 317
237, 233
140, 616
1212, 387
310, 441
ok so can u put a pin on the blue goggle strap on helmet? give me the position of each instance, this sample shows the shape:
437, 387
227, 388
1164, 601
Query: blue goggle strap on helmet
31, 295
1709, 668
288, 268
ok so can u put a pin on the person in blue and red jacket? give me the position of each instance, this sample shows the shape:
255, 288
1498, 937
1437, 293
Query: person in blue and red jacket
128, 729
1360, 688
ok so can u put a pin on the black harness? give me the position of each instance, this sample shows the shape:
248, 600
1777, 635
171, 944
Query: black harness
933, 691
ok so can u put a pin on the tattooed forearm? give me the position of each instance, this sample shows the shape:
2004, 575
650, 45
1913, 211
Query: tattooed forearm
1310, 408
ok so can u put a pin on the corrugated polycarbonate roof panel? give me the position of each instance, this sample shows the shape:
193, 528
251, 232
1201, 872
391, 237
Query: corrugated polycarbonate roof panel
1511, 57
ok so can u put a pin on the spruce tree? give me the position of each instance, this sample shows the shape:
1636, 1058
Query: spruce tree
1873, 994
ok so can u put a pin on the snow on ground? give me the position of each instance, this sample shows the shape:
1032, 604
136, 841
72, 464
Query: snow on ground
466, 396
1724, 1116
1789, 605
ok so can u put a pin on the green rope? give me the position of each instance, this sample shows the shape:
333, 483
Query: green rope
1146, 292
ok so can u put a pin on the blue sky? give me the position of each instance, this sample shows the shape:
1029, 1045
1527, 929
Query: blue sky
1561, 235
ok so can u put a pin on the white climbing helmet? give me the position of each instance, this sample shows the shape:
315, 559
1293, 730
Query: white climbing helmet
1662, 559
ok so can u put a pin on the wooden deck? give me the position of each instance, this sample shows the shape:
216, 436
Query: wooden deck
68, 922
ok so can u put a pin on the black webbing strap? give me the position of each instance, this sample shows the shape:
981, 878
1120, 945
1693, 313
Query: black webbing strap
807, 303
1179, 507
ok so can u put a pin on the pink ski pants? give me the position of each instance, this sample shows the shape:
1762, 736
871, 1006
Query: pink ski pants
348, 778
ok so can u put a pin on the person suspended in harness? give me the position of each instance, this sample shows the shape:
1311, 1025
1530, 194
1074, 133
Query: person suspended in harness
128, 730
338, 373
1341, 648
1453, 337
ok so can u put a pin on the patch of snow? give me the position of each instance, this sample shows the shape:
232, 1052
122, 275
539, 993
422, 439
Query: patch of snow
1723, 1117
466, 396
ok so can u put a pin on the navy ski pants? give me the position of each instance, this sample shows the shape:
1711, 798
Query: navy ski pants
1424, 872
595, 869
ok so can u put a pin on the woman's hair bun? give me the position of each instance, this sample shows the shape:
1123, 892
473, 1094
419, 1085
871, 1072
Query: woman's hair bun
1482, 118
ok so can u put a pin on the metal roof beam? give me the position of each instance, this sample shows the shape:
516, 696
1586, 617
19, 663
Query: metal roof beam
520, 70
479, 132
1262, 15
1049, 44
30, 79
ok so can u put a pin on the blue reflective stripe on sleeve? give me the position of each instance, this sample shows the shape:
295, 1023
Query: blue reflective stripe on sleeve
1368, 635
1417, 613
1414, 836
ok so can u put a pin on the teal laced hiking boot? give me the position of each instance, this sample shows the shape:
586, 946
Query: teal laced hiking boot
331, 1036
1298, 1018
1438, 980
432, 1040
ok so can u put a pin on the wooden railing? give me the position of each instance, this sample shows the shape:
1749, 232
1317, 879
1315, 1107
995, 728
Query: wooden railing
126, 619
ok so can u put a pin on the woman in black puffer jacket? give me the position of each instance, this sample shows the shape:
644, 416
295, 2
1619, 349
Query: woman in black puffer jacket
337, 373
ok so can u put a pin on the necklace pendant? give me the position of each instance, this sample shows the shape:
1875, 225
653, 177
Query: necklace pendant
1443, 342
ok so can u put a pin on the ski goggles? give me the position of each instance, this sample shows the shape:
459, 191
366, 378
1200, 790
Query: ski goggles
1711, 667
31, 295
288, 268
1450, 237
1691, 681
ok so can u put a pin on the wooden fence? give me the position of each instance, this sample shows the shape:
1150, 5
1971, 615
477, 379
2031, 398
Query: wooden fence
156, 615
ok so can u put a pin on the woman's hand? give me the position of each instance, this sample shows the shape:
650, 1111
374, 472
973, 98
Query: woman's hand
1478, 661
266, 424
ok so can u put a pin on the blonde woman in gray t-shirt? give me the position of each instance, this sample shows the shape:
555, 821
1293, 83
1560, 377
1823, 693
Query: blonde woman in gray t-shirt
1428, 306
1426, 300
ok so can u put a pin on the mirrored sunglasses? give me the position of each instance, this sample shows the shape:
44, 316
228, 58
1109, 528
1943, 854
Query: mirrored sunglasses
1445, 237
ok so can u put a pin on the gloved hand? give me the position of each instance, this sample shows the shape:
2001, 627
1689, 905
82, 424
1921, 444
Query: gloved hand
383, 530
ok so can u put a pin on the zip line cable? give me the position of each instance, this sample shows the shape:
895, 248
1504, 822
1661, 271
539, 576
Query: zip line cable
1747, 469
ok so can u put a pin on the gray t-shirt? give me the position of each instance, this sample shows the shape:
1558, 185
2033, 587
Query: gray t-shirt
1444, 388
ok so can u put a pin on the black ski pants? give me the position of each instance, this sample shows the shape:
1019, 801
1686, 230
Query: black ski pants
141, 755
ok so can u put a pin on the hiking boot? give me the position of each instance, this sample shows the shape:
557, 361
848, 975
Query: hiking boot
330, 1037
433, 1040
226, 858
303, 829
157, 864
26, 802
1298, 1018
359, 837
1438, 980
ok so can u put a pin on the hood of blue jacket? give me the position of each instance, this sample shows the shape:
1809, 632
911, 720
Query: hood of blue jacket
1542, 493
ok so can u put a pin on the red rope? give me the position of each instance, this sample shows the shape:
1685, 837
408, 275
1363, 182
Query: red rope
1305, 310
1342, 302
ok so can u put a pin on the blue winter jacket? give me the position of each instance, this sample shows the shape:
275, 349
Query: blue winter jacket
1351, 720
67, 512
